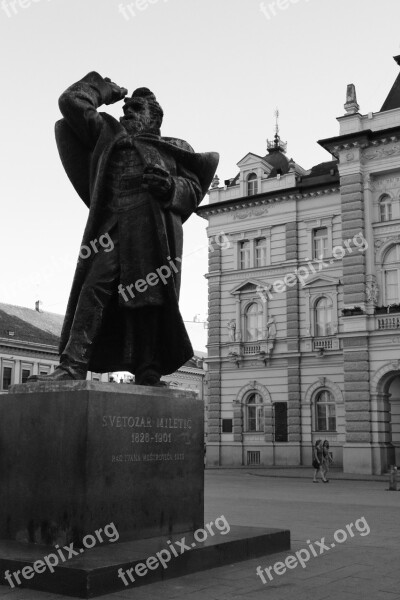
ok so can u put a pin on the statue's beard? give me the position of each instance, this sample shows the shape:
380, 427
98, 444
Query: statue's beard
135, 125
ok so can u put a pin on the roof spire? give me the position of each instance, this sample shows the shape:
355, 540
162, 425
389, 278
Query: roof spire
277, 145
352, 107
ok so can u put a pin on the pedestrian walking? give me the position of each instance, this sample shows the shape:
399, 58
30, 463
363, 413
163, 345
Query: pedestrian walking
317, 462
327, 458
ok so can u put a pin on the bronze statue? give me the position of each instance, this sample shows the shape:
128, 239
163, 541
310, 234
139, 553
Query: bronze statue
123, 312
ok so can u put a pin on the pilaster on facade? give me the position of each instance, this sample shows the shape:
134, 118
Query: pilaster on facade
294, 399
214, 341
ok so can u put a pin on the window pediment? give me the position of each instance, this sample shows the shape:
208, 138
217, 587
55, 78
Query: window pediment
321, 281
253, 162
250, 159
250, 286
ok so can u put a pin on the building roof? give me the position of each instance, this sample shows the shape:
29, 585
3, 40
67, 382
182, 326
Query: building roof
278, 162
29, 325
393, 99
323, 173
195, 362
21, 324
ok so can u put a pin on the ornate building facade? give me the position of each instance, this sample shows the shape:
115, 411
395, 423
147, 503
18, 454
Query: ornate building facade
304, 305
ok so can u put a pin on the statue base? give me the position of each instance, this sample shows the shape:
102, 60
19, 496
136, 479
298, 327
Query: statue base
105, 570
78, 456
84, 465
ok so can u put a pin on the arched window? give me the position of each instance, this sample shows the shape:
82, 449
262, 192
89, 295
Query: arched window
392, 275
261, 252
253, 322
385, 208
254, 413
325, 411
252, 184
323, 317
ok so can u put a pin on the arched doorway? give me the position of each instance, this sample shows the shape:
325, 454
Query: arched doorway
386, 424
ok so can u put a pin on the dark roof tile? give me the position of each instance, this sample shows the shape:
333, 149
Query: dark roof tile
28, 325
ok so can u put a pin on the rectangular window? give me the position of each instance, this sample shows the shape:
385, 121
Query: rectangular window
320, 243
252, 185
385, 207
7, 377
281, 423
326, 417
321, 417
261, 252
392, 286
244, 250
44, 370
25, 373
252, 418
255, 417
331, 417
253, 457
227, 425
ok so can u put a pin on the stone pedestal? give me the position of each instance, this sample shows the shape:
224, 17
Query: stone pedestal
77, 456
98, 571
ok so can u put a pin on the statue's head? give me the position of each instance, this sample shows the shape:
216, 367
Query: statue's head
142, 113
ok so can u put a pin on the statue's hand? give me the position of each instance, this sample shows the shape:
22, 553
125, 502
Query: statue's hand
117, 93
158, 181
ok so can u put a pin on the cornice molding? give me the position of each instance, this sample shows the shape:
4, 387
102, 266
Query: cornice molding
361, 140
248, 207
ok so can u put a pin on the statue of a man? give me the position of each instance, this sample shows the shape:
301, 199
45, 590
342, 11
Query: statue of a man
123, 312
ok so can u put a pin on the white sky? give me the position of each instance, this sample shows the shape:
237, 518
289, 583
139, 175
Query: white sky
219, 68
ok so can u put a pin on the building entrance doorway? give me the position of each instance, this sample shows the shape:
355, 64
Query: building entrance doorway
387, 423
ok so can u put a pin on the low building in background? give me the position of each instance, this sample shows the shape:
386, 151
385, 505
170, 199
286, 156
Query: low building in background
29, 341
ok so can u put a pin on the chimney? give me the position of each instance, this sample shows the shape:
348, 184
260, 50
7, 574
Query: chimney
38, 306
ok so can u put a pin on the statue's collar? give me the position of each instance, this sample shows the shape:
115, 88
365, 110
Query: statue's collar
153, 136
146, 135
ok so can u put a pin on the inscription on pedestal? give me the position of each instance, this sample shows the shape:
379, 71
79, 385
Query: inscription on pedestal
151, 438
99, 454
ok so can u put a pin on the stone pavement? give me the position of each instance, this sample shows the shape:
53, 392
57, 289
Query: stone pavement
364, 567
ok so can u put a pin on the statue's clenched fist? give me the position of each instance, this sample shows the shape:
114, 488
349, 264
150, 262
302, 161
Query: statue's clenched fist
158, 181
117, 92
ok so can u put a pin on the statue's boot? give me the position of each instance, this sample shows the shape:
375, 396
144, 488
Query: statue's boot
147, 332
61, 373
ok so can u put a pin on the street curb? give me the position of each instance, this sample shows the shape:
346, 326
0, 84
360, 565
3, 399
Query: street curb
333, 475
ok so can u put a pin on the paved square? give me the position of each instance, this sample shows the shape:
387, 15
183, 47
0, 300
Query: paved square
361, 567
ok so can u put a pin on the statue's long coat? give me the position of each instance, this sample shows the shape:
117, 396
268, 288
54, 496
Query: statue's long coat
85, 140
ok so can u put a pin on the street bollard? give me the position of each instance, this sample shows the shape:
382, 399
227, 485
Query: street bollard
393, 478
